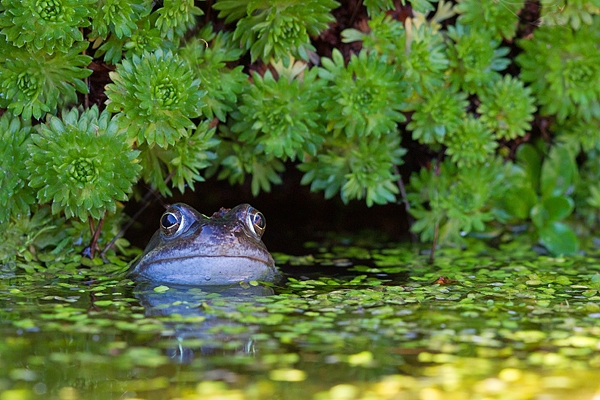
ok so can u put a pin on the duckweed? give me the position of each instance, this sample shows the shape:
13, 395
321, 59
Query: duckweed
375, 323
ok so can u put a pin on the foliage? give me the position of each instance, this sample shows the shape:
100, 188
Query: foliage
181, 162
176, 17
474, 58
573, 12
540, 189
237, 159
563, 67
471, 144
499, 17
358, 169
436, 114
82, 164
277, 29
34, 83
209, 62
118, 17
284, 84
15, 196
155, 96
458, 200
281, 115
363, 98
51, 25
507, 108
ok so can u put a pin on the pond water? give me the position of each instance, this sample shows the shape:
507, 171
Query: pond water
348, 323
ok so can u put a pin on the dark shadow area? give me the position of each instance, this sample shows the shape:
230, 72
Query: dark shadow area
294, 214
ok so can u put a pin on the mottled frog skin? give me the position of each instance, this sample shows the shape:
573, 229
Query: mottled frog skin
190, 248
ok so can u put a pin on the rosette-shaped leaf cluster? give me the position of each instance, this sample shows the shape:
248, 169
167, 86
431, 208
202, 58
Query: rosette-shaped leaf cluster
573, 12
281, 115
155, 96
457, 200
176, 17
34, 83
471, 144
145, 38
209, 63
383, 37
507, 107
436, 114
51, 25
15, 196
419, 51
118, 17
475, 58
499, 17
357, 168
277, 28
82, 164
180, 163
422, 56
364, 98
563, 67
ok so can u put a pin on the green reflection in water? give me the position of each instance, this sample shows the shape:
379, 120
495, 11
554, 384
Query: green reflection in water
372, 324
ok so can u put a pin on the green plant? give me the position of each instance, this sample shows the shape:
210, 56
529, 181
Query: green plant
277, 29
436, 114
383, 37
573, 12
155, 96
15, 196
357, 169
51, 25
237, 160
539, 189
500, 17
507, 108
423, 58
145, 38
364, 98
475, 58
82, 164
209, 62
179, 163
118, 17
471, 143
452, 202
281, 115
176, 17
35, 83
563, 67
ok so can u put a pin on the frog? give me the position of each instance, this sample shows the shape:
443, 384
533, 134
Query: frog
190, 248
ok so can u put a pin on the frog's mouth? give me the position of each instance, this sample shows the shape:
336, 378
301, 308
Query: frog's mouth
206, 270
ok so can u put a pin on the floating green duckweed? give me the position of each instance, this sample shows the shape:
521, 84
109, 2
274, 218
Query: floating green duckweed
375, 323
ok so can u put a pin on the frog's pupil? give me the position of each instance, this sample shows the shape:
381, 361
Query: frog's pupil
168, 220
259, 220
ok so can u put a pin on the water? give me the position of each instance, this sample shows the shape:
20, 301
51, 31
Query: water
349, 323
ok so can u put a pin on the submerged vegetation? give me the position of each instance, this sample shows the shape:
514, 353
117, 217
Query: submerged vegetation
497, 103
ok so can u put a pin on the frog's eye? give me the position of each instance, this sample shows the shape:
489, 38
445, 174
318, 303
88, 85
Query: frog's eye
171, 221
256, 221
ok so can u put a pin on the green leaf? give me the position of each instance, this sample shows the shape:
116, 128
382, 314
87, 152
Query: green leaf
559, 239
552, 209
519, 201
530, 159
558, 172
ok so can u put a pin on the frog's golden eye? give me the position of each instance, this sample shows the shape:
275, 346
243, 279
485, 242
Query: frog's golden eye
256, 221
170, 222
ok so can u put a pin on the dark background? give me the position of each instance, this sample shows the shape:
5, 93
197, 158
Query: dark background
294, 214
